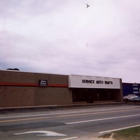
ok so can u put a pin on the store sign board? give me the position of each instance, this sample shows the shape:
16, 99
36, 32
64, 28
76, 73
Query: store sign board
79, 81
43, 83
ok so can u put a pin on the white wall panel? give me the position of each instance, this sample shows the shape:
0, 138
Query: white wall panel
82, 81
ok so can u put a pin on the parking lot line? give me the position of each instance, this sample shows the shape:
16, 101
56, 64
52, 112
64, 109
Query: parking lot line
103, 119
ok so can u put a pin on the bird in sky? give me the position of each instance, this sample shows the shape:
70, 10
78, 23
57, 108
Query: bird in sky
87, 5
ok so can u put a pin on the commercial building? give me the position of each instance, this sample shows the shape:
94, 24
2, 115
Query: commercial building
131, 88
24, 89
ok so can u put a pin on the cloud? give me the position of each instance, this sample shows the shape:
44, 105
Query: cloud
66, 37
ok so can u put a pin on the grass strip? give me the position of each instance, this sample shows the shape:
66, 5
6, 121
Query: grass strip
126, 134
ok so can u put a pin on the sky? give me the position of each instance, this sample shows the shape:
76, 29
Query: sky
66, 37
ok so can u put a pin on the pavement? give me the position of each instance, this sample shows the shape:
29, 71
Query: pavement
76, 123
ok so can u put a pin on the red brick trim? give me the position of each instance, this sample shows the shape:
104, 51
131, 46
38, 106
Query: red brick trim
31, 85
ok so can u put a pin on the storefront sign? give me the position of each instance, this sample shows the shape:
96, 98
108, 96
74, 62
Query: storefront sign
135, 85
43, 83
79, 81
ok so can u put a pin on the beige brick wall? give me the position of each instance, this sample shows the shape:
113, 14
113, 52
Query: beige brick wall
16, 96
16, 77
19, 96
53, 96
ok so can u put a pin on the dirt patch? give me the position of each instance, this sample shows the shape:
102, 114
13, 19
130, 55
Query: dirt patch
108, 138
105, 139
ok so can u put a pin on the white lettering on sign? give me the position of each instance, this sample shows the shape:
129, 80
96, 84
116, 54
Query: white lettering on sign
42, 83
135, 85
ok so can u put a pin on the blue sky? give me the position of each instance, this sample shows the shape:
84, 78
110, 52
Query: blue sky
65, 37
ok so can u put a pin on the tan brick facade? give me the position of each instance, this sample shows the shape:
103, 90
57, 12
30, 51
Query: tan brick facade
20, 89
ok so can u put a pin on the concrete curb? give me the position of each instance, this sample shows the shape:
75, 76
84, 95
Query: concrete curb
50, 107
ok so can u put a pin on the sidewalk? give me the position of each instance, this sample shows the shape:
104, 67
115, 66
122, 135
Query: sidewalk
48, 107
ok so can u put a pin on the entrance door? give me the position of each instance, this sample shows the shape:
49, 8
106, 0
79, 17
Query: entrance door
82, 95
90, 95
